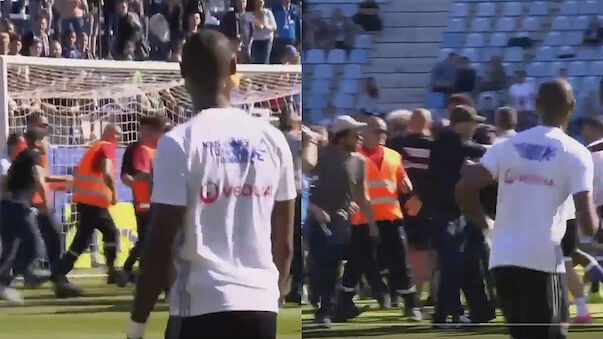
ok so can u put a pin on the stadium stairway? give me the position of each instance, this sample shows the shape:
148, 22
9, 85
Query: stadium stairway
406, 50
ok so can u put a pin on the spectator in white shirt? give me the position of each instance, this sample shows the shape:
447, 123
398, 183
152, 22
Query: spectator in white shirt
368, 101
592, 131
522, 96
537, 171
264, 26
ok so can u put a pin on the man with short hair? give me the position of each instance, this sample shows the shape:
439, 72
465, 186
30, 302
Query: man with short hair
221, 182
386, 179
537, 171
339, 191
506, 121
522, 96
415, 149
94, 192
18, 232
443, 74
136, 173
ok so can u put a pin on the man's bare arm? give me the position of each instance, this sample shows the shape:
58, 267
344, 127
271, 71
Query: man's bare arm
40, 175
585, 213
166, 221
474, 177
127, 180
108, 177
282, 246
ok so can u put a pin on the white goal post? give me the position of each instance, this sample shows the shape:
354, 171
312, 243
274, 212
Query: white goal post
80, 96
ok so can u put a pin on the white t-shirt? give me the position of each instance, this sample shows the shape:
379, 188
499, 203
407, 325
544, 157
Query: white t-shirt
228, 169
598, 184
537, 170
523, 96
4, 166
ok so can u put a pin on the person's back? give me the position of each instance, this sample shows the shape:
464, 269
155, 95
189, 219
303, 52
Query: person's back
20, 178
236, 167
536, 173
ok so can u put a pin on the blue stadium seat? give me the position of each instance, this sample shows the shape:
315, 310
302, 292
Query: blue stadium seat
596, 68
513, 54
486, 9
587, 54
569, 8
352, 71
363, 41
460, 10
343, 100
580, 23
546, 53
349, 86
323, 71
573, 38
539, 8
589, 7
566, 51
490, 52
591, 82
506, 25
561, 23
553, 39
531, 24
349, 10
498, 39
599, 53
358, 56
481, 25
452, 40
435, 100
337, 56
316, 115
512, 9
577, 69
475, 40
315, 56
316, 101
320, 86
456, 25
553, 68
536, 69
471, 53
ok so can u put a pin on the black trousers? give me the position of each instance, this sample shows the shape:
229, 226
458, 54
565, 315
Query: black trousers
18, 236
51, 234
476, 254
91, 218
297, 269
223, 325
142, 224
529, 296
362, 259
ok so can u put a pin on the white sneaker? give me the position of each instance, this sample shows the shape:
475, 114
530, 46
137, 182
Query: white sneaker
11, 295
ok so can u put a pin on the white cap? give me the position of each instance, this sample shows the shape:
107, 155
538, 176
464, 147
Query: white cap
345, 122
399, 114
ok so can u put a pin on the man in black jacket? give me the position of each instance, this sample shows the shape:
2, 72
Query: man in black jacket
450, 151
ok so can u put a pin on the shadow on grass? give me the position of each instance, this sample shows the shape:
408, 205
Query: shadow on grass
115, 306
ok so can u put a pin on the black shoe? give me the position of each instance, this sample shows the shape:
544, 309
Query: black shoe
64, 289
345, 313
121, 278
322, 321
293, 297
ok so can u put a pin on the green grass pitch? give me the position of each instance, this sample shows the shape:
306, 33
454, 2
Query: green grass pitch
102, 313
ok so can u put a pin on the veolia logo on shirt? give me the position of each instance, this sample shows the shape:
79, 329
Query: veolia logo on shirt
511, 176
211, 191
234, 151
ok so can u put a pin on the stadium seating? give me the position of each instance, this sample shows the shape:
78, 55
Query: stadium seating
498, 39
337, 56
323, 72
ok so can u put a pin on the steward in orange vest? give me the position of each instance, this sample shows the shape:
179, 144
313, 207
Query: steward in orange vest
94, 193
385, 179
137, 168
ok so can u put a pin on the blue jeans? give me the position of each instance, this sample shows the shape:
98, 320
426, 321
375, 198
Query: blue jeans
18, 234
448, 240
260, 51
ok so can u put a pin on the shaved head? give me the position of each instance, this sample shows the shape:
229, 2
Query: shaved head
208, 61
555, 102
111, 133
375, 132
420, 121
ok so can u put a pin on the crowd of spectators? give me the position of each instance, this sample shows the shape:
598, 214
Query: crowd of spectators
339, 31
262, 31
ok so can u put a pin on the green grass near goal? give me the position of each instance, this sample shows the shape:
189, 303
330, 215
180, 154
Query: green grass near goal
389, 324
102, 313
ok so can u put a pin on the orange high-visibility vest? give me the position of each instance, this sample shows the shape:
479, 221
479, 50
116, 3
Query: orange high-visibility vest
89, 186
383, 186
141, 190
